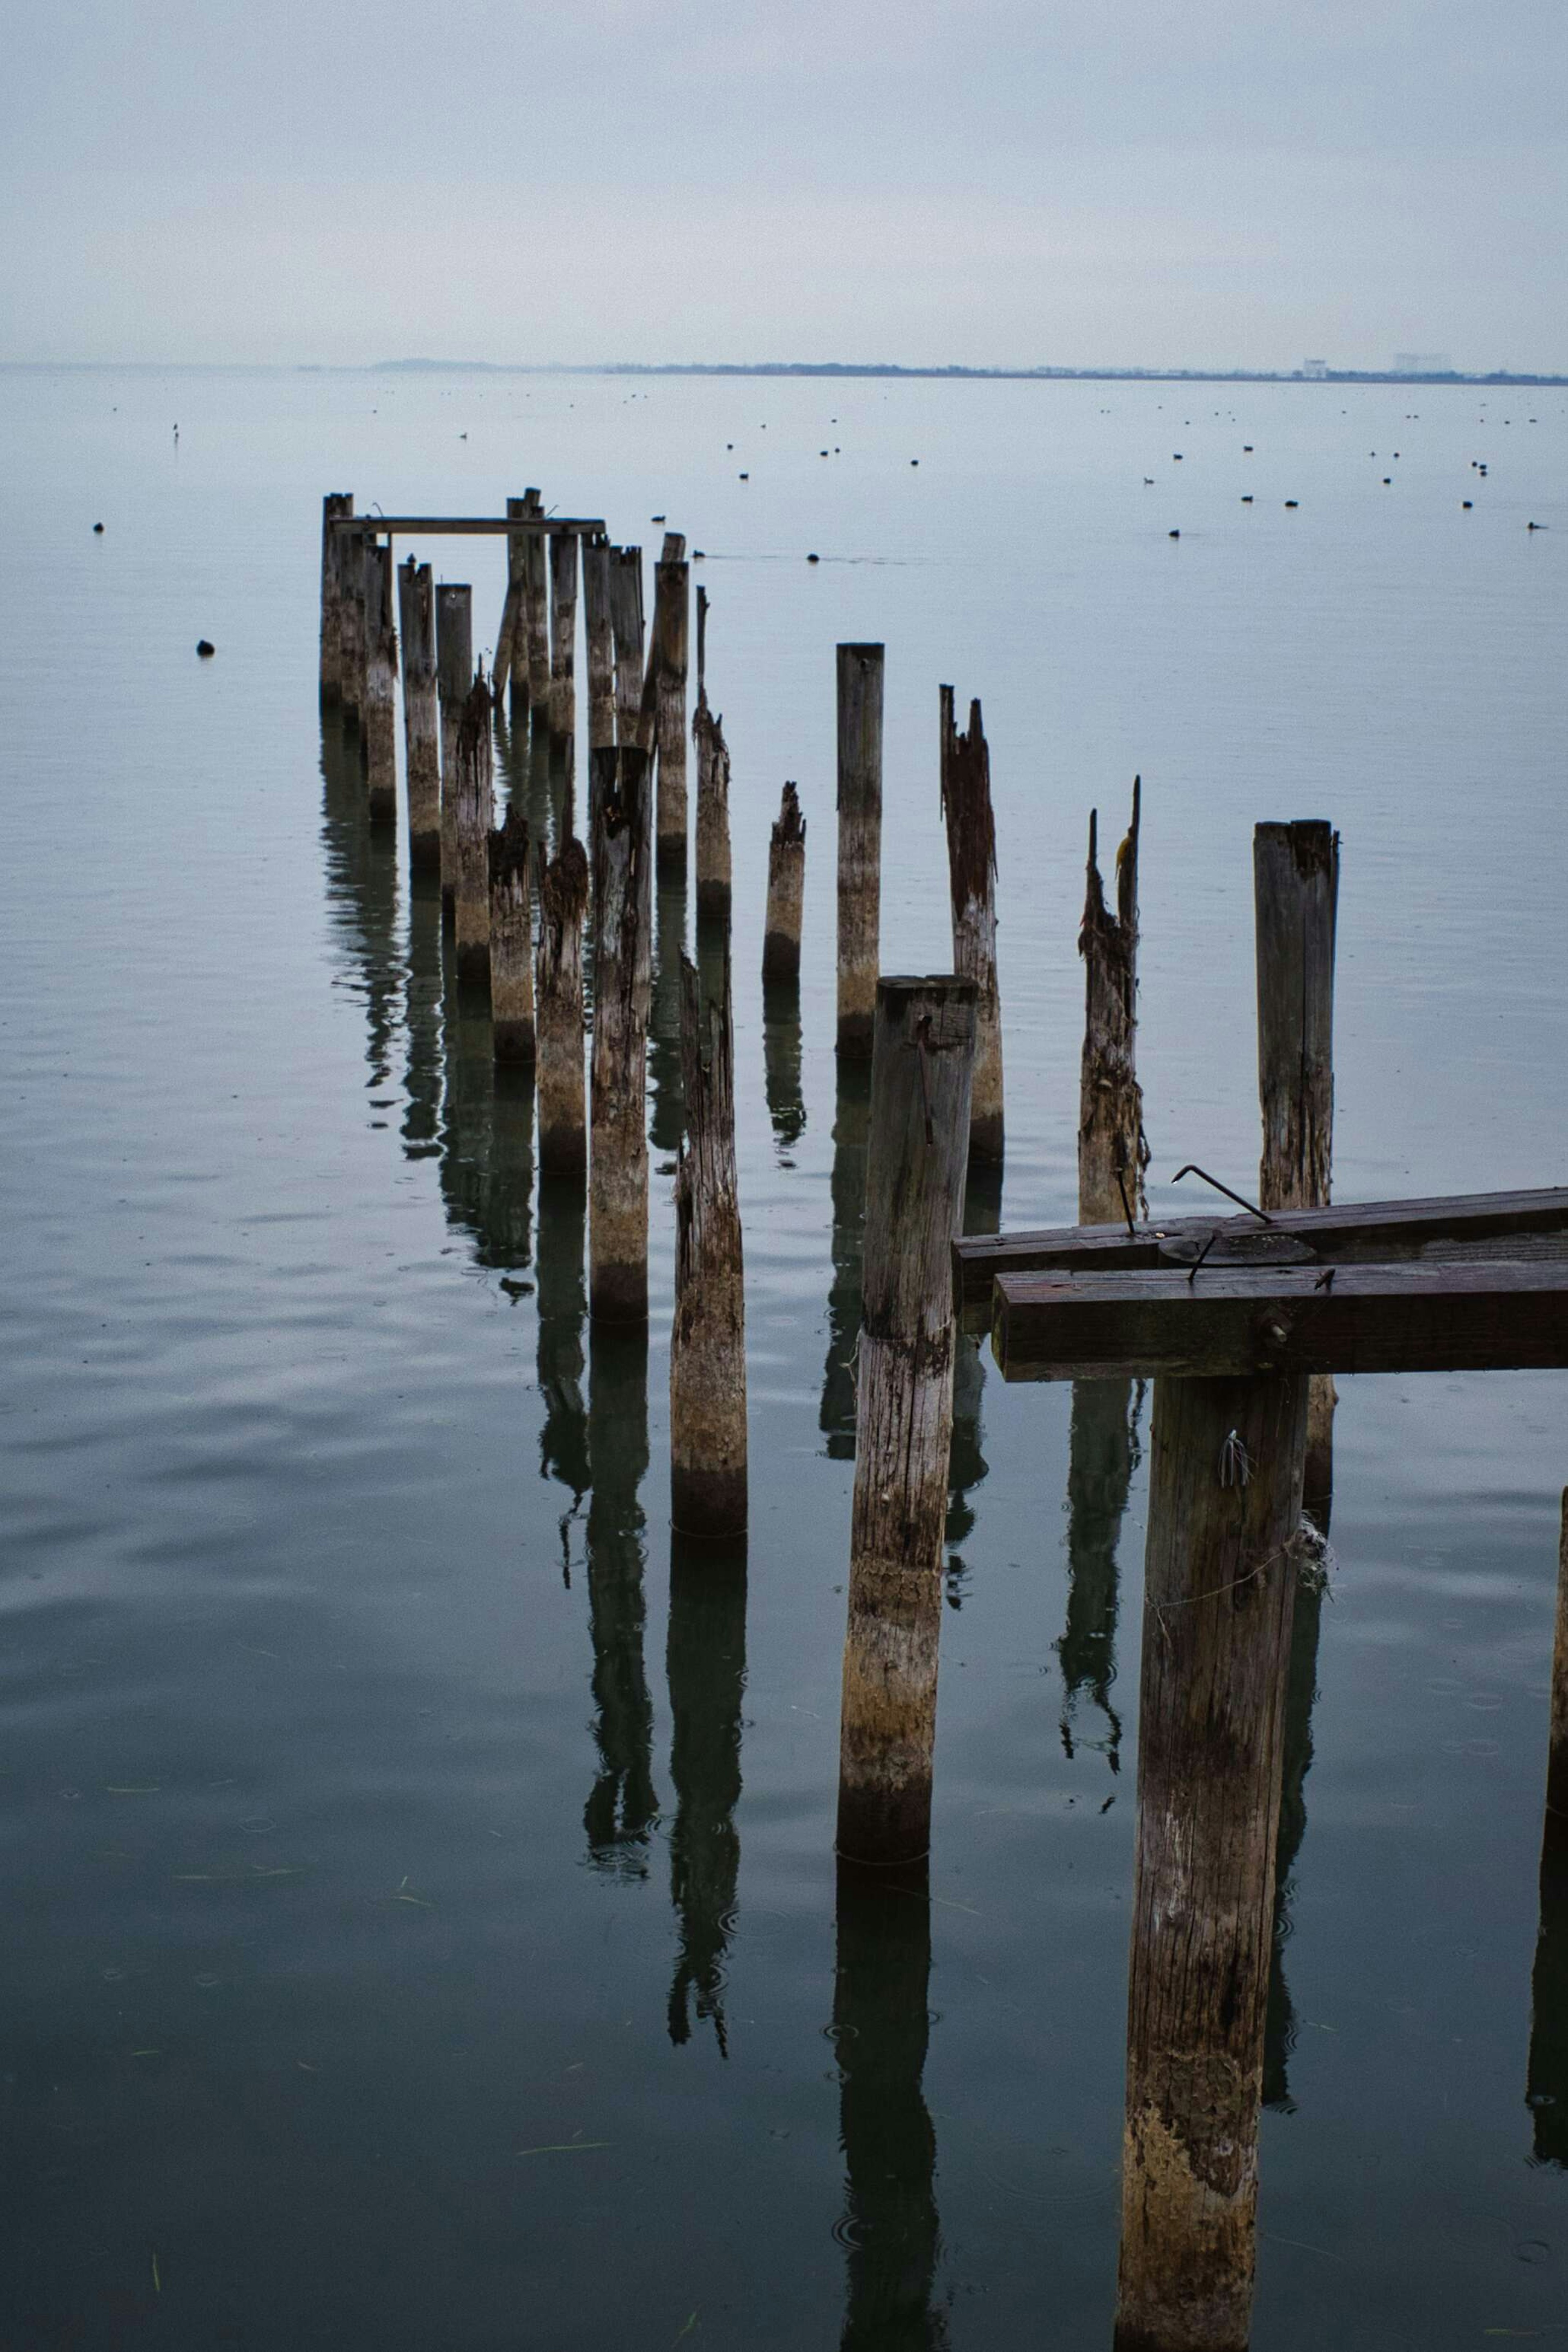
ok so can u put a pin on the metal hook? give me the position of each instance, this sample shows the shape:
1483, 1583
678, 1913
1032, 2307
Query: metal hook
1126, 1205
1192, 1169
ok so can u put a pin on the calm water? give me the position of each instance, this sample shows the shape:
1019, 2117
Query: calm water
419, 1879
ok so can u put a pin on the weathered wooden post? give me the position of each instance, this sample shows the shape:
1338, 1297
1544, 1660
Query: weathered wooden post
351, 561
922, 1071
563, 903
627, 634
787, 890
454, 677
335, 503
380, 688
535, 616
1112, 1153
421, 715
1224, 1503
713, 817
671, 605
505, 662
1296, 889
623, 979
511, 940
601, 641
861, 671
475, 807
972, 883
708, 1341
564, 633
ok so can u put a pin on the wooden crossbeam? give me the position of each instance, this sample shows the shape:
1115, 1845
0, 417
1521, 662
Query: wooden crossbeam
461, 526
1472, 1316
1529, 1225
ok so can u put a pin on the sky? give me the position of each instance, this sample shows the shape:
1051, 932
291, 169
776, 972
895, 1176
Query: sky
1004, 183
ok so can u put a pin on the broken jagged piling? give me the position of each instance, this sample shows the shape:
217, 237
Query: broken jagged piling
713, 877
1111, 1151
508, 668
971, 882
454, 677
708, 1341
861, 671
787, 890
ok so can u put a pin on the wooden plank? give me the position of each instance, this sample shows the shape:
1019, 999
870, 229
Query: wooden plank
463, 526
1351, 1232
1473, 1316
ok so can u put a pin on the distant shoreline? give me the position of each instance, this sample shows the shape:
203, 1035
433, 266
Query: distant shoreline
833, 370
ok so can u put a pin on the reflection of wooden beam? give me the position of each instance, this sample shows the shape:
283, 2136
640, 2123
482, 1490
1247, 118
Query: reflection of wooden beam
461, 526
1469, 1317
1489, 1225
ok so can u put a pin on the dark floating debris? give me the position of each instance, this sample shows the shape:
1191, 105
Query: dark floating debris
97, 531
1247, 448
814, 558
206, 649
1172, 534
1292, 502
1535, 526
1467, 502
1247, 497
655, 518
698, 555
745, 477
914, 461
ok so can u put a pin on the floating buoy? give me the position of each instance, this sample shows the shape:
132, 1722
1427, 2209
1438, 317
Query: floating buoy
206, 649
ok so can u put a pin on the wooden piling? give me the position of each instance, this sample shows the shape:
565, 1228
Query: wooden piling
623, 979
421, 715
860, 669
972, 885
535, 616
1296, 889
475, 807
335, 503
787, 890
508, 635
1224, 1505
511, 940
380, 688
564, 633
563, 903
708, 1340
1112, 1153
454, 677
1557, 1765
627, 635
601, 642
351, 563
921, 1073
671, 626
712, 816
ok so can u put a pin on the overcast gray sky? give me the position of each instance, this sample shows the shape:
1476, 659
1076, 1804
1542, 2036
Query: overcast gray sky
1072, 182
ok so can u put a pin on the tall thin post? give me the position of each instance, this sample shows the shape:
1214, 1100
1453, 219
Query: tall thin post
601, 642
708, 1341
861, 671
1225, 1501
623, 982
507, 634
474, 808
1546, 2080
335, 503
454, 677
671, 624
536, 615
511, 940
564, 633
627, 631
421, 715
713, 817
1112, 1153
922, 1071
351, 559
381, 685
787, 890
972, 885
1296, 889
563, 903
1557, 1763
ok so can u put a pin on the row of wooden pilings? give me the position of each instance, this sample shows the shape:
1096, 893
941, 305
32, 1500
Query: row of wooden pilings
1216, 1623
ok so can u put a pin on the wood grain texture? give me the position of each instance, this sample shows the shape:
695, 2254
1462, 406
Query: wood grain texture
562, 904
563, 633
671, 628
511, 941
623, 980
921, 1072
474, 812
600, 641
353, 623
707, 1481
1219, 1578
379, 718
626, 637
1557, 1767
508, 633
965, 770
714, 876
421, 714
787, 890
335, 503
454, 677
535, 616
1469, 1317
475, 526
1110, 1140
859, 679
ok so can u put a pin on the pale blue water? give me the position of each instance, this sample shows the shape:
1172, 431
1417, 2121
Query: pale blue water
369, 1796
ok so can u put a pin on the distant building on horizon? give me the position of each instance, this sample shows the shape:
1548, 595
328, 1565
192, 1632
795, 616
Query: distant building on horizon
1423, 363
1315, 371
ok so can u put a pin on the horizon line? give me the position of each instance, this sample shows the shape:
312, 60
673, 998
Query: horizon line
1523, 378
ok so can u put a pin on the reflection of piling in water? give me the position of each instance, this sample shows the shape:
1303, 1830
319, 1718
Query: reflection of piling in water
786, 891
881, 2028
782, 1064
511, 940
707, 1468
362, 888
475, 809
620, 1815
705, 1663
381, 687
851, 1125
860, 670
618, 1229
971, 882
1301, 1691
1547, 2085
1220, 1575
421, 715
454, 677
1103, 1450
1113, 1154
921, 1065
967, 1465
422, 1021
562, 1303
487, 1156
600, 640
562, 904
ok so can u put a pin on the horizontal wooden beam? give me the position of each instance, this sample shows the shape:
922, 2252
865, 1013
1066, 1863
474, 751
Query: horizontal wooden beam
1472, 1317
1529, 1226
462, 526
